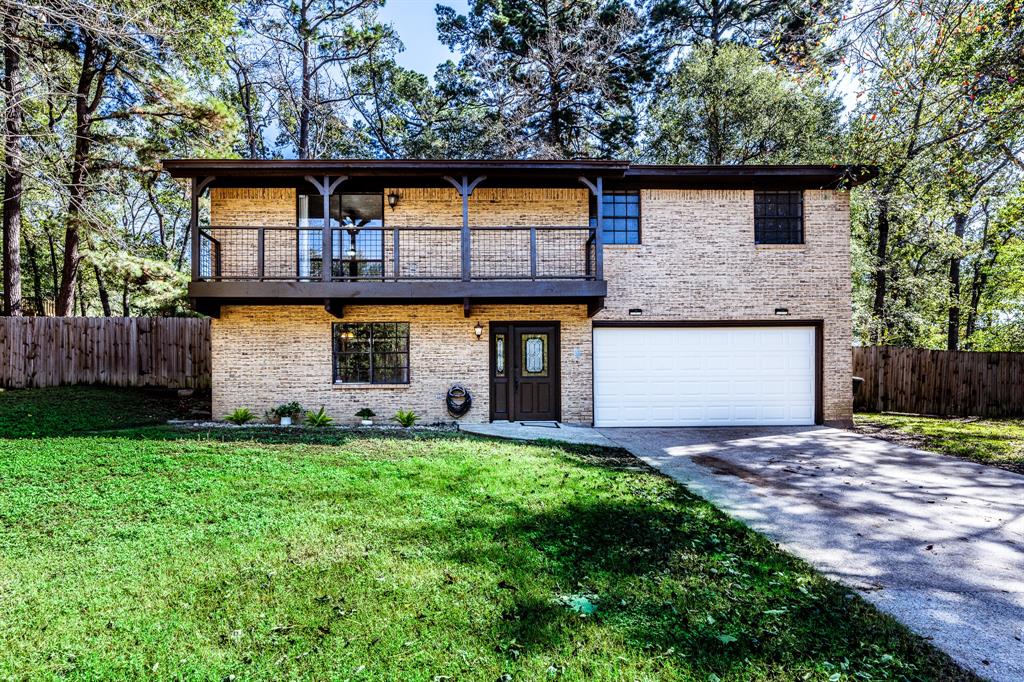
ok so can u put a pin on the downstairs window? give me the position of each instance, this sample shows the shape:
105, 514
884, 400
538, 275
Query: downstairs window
371, 352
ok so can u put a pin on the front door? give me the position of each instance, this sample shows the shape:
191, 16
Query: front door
525, 371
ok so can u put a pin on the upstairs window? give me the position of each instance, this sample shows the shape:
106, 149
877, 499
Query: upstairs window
357, 239
371, 352
621, 216
778, 217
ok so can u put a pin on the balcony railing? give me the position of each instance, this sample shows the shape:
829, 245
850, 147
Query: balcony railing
295, 254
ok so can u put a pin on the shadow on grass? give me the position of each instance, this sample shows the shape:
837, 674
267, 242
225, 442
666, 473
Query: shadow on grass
677, 579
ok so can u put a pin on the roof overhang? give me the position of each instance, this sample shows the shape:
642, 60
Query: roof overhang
516, 173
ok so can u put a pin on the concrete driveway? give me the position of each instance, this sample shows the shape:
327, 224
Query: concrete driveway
934, 541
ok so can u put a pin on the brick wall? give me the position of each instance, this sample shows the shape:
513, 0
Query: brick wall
698, 261
267, 355
254, 207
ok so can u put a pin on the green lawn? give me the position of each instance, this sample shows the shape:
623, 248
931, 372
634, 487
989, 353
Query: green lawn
334, 555
999, 442
48, 412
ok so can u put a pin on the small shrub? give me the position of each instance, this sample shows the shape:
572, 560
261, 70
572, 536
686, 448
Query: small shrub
292, 409
366, 413
243, 415
319, 418
406, 418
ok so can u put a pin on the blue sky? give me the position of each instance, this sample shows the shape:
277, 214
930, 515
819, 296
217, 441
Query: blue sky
416, 24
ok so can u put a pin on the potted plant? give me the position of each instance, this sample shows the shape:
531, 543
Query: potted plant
288, 412
366, 415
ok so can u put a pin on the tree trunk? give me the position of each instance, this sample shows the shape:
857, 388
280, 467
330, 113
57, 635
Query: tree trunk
86, 103
54, 277
12, 185
102, 289
125, 310
37, 280
81, 296
881, 269
953, 328
304, 103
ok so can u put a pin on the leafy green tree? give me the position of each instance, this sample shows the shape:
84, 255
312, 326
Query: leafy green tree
556, 78
785, 31
306, 50
940, 108
126, 80
727, 105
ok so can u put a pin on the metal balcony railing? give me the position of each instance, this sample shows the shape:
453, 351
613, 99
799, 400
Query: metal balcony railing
268, 253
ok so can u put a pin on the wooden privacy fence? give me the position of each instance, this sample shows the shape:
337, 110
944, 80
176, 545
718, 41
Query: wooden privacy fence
119, 351
939, 382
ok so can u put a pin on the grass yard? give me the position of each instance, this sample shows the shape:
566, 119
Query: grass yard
61, 410
250, 555
999, 442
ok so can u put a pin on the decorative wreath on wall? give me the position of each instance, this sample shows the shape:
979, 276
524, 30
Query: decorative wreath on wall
458, 400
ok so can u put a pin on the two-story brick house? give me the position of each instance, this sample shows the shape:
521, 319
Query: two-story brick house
583, 291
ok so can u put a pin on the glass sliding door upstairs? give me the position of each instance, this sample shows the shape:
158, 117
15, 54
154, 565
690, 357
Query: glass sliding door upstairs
357, 237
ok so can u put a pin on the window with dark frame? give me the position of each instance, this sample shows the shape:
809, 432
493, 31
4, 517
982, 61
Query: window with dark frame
621, 216
357, 240
371, 352
778, 217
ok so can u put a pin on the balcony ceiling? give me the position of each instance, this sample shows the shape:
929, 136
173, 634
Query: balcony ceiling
380, 173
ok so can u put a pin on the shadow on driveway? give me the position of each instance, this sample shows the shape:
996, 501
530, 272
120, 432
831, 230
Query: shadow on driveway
935, 541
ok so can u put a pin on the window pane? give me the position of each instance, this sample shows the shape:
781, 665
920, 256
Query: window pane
778, 217
621, 216
375, 352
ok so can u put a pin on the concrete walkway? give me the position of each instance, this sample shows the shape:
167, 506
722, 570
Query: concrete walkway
566, 433
935, 541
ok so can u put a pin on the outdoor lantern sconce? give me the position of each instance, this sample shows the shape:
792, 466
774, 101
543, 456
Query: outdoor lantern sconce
393, 198
479, 331
782, 311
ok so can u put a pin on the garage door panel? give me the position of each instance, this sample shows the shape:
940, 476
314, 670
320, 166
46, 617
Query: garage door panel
704, 376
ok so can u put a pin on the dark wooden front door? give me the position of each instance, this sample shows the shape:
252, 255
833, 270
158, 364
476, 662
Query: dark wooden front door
525, 371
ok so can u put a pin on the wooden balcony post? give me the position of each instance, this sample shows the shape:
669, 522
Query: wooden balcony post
194, 230
198, 187
465, 189
326, 189
599, 232
327, 240
597, 188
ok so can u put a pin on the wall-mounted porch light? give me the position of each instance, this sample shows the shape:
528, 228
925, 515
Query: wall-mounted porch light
478, 330
782, 311
636, 312
393, 198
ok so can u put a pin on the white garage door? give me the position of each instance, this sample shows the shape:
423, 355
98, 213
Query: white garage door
703, 376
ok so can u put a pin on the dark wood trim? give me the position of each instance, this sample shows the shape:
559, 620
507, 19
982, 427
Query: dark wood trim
769, 322
819, 372
415, 291
335, 308
816, 323
527, 173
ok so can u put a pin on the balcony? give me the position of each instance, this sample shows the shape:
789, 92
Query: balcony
270, 264
525, 235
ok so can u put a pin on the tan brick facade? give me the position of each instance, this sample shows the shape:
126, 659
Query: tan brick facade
267, 355
697, 261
